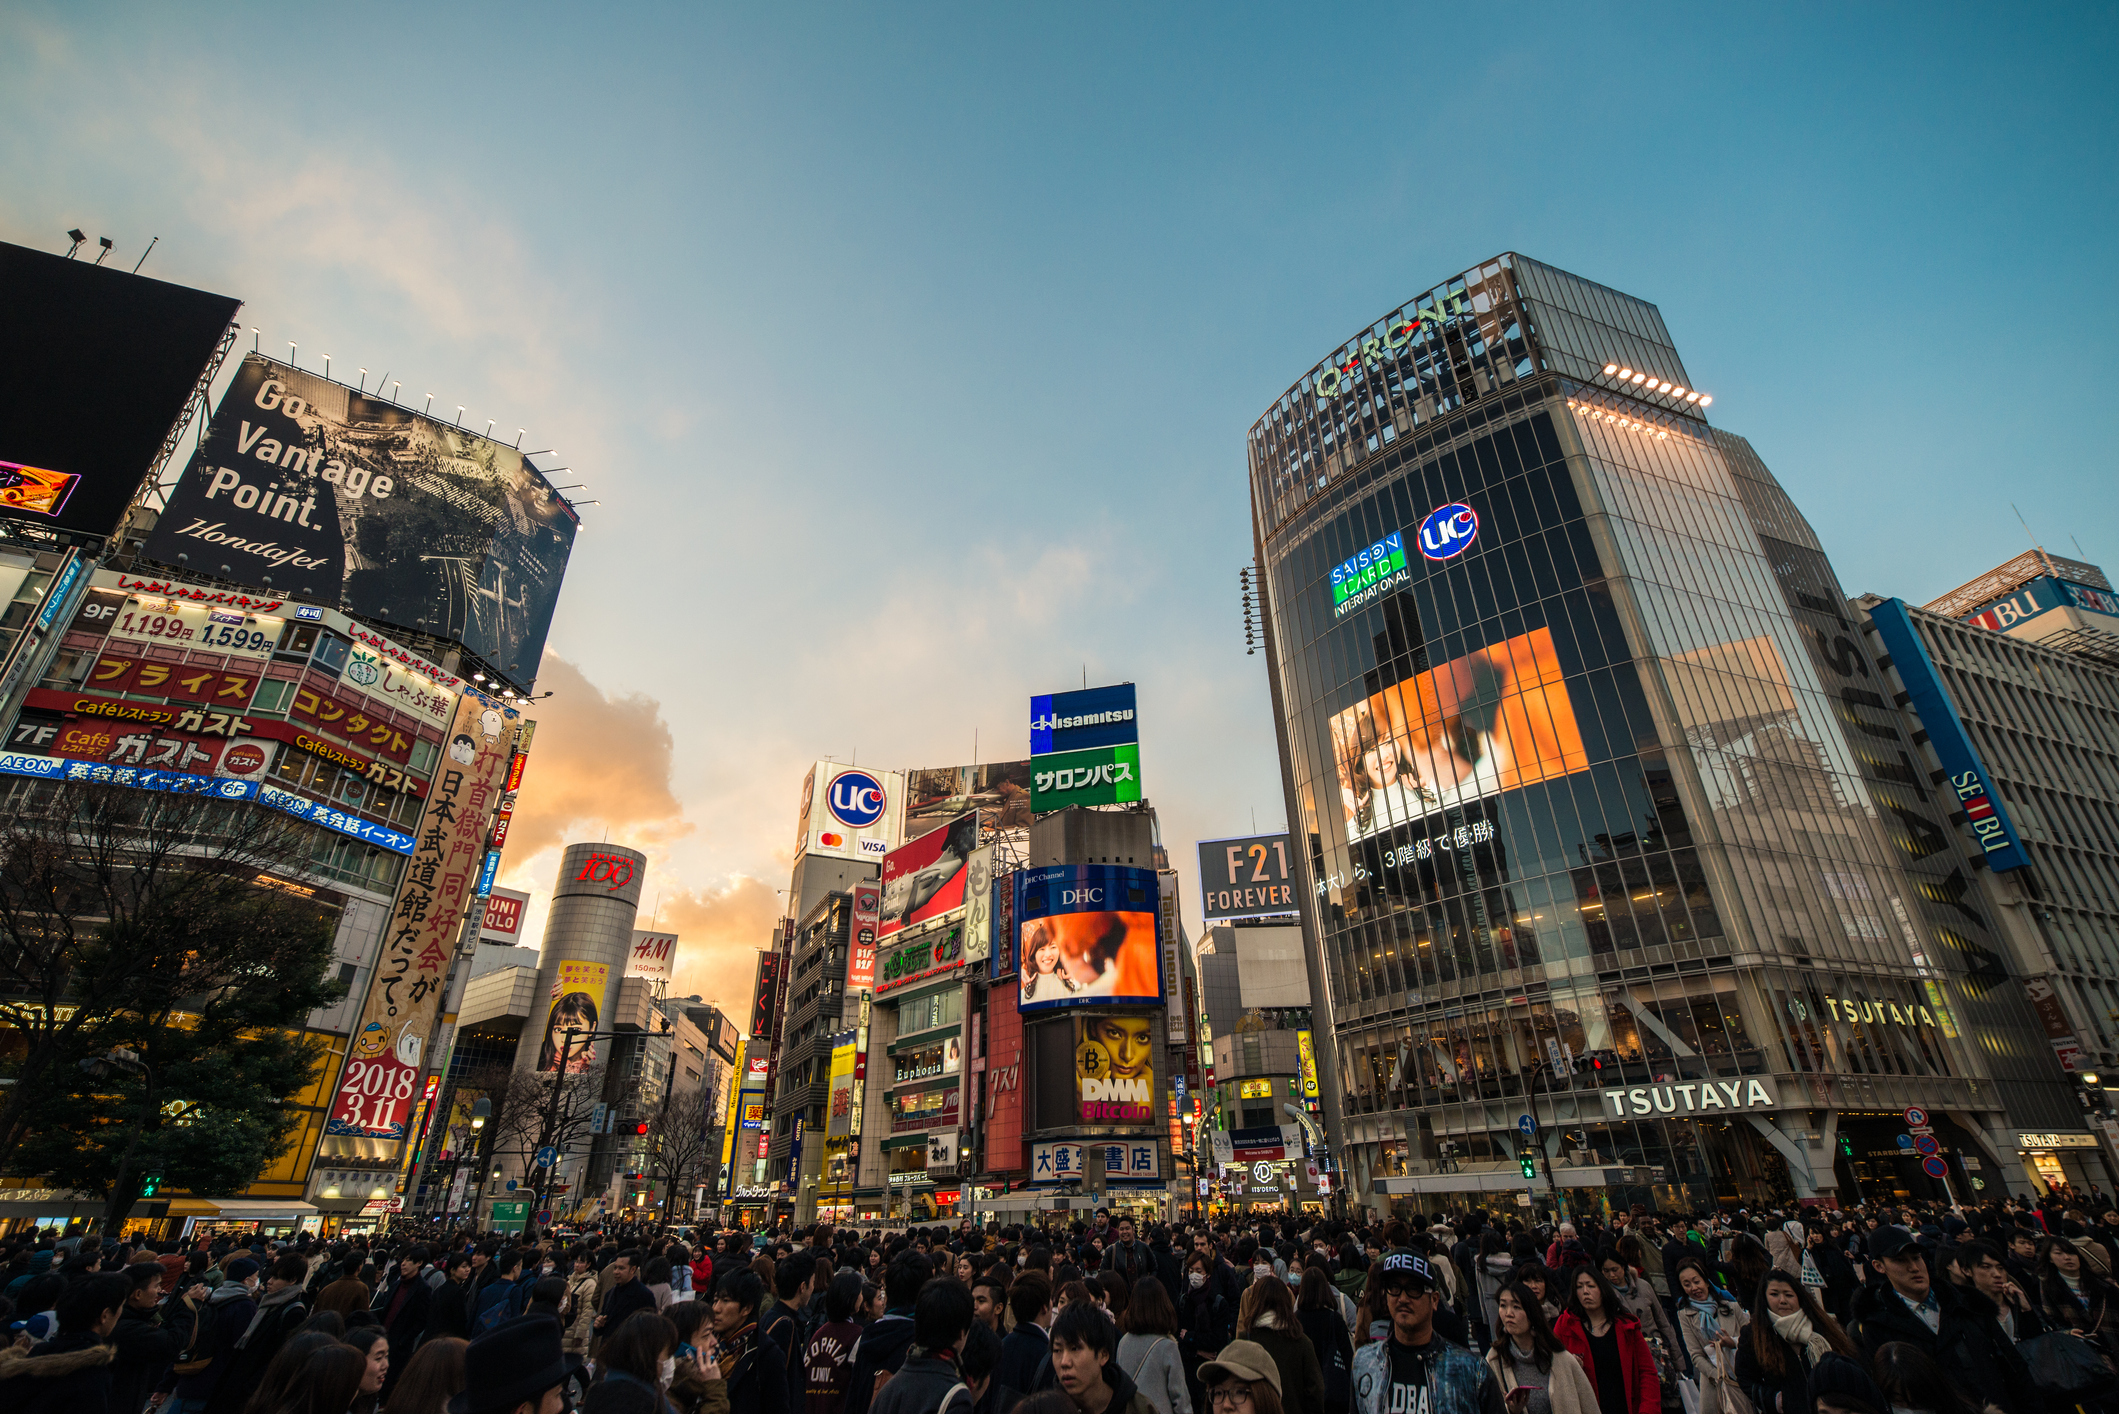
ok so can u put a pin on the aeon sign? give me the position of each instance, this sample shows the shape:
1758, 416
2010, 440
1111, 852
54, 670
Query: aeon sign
1448, 531
855, 799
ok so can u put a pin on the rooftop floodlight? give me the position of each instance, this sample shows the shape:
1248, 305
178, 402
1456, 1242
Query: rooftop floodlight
1626, 373
1611, 368
1704, 400
77, 236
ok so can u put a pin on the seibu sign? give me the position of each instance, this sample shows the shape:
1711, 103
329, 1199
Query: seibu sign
1692, 1097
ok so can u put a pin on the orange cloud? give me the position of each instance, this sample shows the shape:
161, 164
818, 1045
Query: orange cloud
719, 932
599, 768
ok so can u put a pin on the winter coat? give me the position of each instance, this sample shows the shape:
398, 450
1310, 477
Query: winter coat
449, 1311
1493, 1275
1568, 1384
1131, 1260
1644, 1391
228, 1311
1641, 1303
1969, 1344
1157, 1368
1715, 1366
69, 1375
1785, 1393
883, 1346
1206, 1315
1022, 1351
1301, 1376
279, 1315
1456, 1379
581, 1315
924, 1386
758, 1383
1327, 1330
145, 1347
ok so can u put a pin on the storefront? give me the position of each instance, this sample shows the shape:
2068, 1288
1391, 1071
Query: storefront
216, 1217
2051, 1160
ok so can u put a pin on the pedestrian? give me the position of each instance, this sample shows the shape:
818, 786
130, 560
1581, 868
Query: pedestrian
280, 1312
448, 1304
753, 1367
70, 1373
288, 1368
1266, 1317
517, 1368
373, 1342
1533, 1371
1148, 1350
1789, 1334
1408, 1367
828, 1362
636, 1351
1083, 1346
215, 1325
1598, 1330
329, 1381
145, 1347
432, 1377
1710, 1326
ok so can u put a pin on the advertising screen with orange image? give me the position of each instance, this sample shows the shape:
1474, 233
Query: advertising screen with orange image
1490, 721
1087, 933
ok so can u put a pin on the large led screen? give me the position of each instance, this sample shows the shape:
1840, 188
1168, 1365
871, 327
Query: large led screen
319, 492
1487, 722
1086, 934
1114, 1067
925, 878
95, 370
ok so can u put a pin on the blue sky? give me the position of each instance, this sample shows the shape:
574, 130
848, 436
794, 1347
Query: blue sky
910, 348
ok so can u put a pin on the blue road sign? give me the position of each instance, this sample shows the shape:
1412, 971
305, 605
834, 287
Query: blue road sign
1528, 1125
547, 1156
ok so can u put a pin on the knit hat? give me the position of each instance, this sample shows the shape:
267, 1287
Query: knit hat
241, 1269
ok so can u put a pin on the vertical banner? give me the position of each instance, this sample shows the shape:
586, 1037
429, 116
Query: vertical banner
978, 905
840, 1118
861, 958
1173, 976
385, 1055
576, 993
1306, 1053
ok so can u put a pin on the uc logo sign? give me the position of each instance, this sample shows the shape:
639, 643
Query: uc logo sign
1448, 531
855, 799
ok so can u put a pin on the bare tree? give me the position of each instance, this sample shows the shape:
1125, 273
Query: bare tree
524, 1117
681, 1141
115, 904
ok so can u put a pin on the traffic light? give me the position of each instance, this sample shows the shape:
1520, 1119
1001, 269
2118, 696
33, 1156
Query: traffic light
149, 1184
1846, 1146
640, 1127
1528, 1159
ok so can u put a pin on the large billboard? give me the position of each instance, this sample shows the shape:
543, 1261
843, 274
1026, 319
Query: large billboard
935, 795
861, 955
1087, 934
848, 812
1073, 721
1487, 722
1246, 876
98, 366
577, 993
319, 491
1114, 1067
925, 878
653, 955
1101, 775
384, 1059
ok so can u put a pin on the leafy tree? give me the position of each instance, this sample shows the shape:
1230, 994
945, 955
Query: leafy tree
220, 1060
141, 920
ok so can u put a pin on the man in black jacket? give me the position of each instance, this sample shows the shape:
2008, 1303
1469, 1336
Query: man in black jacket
753, 1366
1027, 1346
1953, 1324
69, 1373
281, 1310
940, 1319
145, 1347
781, 1320
1128, 1255
449, 1307
628, 1294
884, 1343
403, 1308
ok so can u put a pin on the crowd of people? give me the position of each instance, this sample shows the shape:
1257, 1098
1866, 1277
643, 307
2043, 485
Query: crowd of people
1998, 1309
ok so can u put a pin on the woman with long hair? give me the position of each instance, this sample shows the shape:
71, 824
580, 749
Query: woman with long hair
1638, 1299
1536, 1373
373, 1342
1148, 1351
1491, 1269
2074, 1297
633, 1354
432, 1377
286, 1369
331, 1380
578, 1311
1266, 1317
1317, 1307
1372, 1314
1116, 1295
1599, 1331
1789, 1334
1538, 1277
1747, 1265
1711, 1327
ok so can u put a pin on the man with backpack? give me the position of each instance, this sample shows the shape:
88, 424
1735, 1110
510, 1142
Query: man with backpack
505, 1296
280, 1313
929, 1382
210, 1329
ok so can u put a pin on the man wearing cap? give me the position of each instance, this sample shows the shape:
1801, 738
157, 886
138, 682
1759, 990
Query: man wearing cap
1414, 1371
515, 1368
1905, 1303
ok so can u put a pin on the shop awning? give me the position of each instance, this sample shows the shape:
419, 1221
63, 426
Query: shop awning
238, 1211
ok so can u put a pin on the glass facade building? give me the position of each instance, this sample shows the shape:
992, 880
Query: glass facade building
1599, 826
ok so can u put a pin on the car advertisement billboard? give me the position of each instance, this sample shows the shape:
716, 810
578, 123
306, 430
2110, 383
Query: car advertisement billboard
848, 812
925, 878
1246, 876
1075, 721
1114, 1067
1487, 722
100, 366
316, 490
1086, 934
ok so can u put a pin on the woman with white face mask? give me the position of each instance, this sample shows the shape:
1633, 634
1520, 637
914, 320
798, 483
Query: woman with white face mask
641, 1351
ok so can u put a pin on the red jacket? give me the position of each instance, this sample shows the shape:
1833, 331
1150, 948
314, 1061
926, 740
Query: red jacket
1644, 1393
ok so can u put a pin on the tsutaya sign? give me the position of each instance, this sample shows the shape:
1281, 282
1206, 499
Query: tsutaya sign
1692, 1097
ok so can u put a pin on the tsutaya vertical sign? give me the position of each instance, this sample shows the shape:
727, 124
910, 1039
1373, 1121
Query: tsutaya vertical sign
385, 1055
1693, 1097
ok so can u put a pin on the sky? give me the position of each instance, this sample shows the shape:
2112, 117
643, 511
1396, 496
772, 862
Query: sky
908, 351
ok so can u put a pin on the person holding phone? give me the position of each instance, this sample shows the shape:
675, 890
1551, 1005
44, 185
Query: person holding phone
1411, 1370
1534, 1372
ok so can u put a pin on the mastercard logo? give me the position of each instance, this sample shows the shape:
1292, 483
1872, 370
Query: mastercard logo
831, 841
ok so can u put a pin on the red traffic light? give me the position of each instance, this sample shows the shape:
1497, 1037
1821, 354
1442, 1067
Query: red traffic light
640, 1128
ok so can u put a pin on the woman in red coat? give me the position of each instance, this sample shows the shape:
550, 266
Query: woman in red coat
1600, 1333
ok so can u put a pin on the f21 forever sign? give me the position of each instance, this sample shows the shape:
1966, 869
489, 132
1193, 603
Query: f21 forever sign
321, 493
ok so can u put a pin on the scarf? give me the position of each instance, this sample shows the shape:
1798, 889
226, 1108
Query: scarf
735, 1348
1795, 1328
1709, 1315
